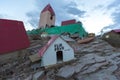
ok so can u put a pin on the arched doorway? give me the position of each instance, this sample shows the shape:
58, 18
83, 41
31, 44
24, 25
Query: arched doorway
59, 55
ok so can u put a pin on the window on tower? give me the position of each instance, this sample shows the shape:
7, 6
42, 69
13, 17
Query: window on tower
51, 17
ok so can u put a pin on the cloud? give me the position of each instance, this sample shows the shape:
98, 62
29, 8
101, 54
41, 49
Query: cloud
1, 16
114, 4
72, 4
62, 12
6, 16
116, 20
75, 11
99, 7
103, 14
115, 15
110, 27
33, 18
71, 9
93, 13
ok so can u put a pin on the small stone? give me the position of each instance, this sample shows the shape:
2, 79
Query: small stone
94, 67
38, 75
66, 72
29, 77
112, 68
78, 67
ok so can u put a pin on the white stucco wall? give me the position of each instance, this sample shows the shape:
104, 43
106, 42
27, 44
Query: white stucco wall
50, 57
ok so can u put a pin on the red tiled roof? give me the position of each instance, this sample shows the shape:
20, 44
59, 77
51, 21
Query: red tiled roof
12, 36
73, 21
42, 51
116, 30
48, 8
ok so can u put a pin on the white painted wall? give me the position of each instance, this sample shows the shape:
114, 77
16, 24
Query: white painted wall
50, 57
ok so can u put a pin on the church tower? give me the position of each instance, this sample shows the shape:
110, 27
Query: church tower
47, 17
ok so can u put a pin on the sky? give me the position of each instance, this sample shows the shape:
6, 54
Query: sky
96, 15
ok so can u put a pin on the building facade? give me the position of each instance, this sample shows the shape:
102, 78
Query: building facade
47, 17
112, 37
56, 51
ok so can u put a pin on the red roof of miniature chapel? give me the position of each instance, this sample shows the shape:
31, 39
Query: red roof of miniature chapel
42, 51
12, 36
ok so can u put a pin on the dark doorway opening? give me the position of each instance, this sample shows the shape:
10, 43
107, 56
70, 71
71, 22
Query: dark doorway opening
59, 56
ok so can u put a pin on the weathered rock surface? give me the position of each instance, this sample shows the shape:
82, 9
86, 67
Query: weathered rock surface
30, 77
92, 58
94, 67
66, 72
94, 61
87, 64
38, 75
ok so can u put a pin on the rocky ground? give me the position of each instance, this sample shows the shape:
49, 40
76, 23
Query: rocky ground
96, 60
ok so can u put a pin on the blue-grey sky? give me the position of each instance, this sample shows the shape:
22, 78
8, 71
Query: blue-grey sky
94, 14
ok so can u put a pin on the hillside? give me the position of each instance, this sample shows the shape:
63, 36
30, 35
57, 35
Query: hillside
96, 60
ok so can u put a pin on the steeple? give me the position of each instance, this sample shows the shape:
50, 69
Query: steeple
48, 8
47, 17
